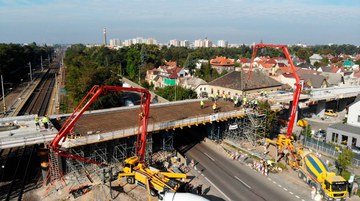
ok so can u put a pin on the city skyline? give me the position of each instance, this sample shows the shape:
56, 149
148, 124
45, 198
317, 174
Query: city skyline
236, 21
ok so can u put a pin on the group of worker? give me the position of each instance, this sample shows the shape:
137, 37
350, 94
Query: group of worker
237, 100
45, 121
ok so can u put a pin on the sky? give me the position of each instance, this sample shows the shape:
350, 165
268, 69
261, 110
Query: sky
237, 21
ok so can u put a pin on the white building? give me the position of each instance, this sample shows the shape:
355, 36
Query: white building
184, 43
222, 43
198, 43
174, 43
140, 40
202, 43
347, 134
115, 42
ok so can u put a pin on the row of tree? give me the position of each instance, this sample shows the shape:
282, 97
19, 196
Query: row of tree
15, 58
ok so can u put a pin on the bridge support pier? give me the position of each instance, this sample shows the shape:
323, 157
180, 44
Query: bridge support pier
320, 108
342, 104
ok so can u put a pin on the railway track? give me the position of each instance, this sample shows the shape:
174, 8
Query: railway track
40, 99
20, 167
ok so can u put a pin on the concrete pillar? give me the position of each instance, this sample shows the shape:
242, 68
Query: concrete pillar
320, 108
342, 104
44, 164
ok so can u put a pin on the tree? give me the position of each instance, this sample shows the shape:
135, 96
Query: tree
173, 93
344, 159
265, 107
190, 64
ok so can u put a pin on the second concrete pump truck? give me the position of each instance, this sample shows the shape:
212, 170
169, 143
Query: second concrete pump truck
135, 170
310, 168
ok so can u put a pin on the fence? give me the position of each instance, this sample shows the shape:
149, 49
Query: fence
329, 149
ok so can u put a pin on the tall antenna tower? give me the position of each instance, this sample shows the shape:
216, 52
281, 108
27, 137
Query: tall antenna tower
105, 36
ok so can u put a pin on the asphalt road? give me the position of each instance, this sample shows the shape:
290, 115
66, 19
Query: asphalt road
234, 180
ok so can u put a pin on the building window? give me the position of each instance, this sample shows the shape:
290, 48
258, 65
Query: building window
344, 139
333, 137
358, 118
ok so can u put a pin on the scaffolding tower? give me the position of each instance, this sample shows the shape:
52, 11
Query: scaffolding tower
250, 128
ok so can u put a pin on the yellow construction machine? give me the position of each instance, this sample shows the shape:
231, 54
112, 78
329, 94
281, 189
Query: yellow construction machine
137, 171
284, 143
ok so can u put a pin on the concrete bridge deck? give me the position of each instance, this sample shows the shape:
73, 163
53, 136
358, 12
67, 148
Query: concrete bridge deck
108, 124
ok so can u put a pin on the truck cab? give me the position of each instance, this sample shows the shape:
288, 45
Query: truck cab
334, 188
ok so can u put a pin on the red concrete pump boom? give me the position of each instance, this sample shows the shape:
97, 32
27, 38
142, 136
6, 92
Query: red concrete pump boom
92, 95
297, 81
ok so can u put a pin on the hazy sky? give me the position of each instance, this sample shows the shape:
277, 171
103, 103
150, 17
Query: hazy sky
237, 21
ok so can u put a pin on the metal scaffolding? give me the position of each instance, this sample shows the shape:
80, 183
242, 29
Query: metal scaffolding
110, 152
168, 140
250, 128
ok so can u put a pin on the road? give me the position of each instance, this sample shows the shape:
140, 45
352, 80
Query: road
234, 180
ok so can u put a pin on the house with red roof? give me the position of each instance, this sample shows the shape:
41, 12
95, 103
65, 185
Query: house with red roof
221, 64
164, 75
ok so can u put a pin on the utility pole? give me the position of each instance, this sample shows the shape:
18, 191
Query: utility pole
3, 93
30, 72
49, 59
42, 67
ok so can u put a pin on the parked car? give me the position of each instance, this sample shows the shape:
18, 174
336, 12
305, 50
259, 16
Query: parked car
356, 150
320, 133
330, 112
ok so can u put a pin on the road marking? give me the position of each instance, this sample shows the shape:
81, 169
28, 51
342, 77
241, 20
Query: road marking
285, 189
209, 156
279, 185
291, 193
302, 200
269, 178
274, 182
217, 188
242, 182
297, 196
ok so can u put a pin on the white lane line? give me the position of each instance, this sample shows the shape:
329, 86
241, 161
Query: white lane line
217, 189
274, 182
242, 181
285, 189
297, 196
302, 200
209, 156
269, 178
279, 185
291, 193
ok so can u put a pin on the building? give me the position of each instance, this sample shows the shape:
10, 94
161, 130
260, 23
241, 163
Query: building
237, 83
184, 43
163, 76
140, 40
174, 43
315, 58
347, 134
202, 43
115, 42
221, 64
222, 43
